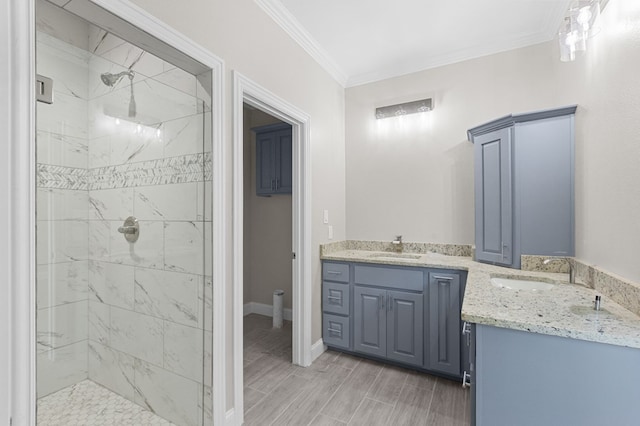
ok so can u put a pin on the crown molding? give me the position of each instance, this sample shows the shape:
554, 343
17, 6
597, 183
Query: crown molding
276, 10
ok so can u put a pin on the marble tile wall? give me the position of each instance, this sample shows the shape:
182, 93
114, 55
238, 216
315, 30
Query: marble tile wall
62, 218
149, 308
135, 318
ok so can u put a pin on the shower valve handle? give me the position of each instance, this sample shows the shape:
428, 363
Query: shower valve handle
127, 229
131, 229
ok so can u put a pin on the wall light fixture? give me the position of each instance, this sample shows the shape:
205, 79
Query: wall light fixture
580, 23
423, 105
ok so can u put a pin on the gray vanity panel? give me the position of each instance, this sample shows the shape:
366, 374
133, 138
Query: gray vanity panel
533, 379
544, 176
335, 298
369, 320
335, 272
385, 276
493, 197
405, 335
335, 331
444, 323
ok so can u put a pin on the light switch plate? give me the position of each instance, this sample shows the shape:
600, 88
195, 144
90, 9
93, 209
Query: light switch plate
325, 216
330, 231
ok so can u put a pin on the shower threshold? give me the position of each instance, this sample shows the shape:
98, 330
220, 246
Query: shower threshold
87, 403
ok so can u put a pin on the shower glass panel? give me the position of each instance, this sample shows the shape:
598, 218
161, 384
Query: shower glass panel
123, 328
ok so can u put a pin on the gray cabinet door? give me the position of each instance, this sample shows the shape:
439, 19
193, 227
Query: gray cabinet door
405, 335
369, 321
265, 163
444, 323
493, 197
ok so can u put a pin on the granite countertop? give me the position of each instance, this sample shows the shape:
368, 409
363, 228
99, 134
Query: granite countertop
564, 310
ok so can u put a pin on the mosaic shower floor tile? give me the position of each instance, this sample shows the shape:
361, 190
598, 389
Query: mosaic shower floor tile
87, 404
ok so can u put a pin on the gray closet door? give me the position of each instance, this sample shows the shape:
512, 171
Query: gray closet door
493, 197
444, 323
369, 327
405, 335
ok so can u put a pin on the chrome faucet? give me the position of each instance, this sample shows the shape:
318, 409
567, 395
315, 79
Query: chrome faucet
572, 271
397, 243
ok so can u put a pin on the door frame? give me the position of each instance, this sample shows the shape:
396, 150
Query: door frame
17, 187
247, 91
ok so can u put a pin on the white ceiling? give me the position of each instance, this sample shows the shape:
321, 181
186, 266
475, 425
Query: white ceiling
360, 41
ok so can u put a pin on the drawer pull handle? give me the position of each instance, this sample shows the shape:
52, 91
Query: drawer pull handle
333, 330
438, 277
466, 380
334, 272
334, 297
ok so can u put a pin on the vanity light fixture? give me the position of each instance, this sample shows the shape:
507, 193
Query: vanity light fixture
422, 105
580, 23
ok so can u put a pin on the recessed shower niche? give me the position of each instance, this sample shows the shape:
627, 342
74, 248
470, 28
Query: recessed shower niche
123, 327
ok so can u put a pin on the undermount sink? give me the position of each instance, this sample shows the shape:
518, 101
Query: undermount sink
396, 255
515, 284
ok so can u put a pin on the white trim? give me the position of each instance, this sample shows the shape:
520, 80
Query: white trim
281, 15
21, 184
230, 417
265, 310
245, 90
19, 164
317, 349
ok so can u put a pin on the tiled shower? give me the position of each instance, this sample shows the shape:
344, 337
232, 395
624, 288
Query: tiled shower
134, 318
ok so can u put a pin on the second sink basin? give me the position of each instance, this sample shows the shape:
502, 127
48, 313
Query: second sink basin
396, 255
515, 284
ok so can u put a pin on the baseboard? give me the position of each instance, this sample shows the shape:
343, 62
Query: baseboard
317, 349
264, 309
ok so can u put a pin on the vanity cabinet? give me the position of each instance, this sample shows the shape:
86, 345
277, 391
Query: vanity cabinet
524, 186
524, 378
444, 323
406, 315
388, 323
273, 159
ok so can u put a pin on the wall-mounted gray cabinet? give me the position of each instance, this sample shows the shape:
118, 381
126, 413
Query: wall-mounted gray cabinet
273, 159
524, 186
406, 315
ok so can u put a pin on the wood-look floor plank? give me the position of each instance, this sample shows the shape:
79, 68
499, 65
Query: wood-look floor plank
372, 413
272, 405
450, 404
308, 406
412, 407
348, 397
322, 420
388, 385
421, 380
252, 397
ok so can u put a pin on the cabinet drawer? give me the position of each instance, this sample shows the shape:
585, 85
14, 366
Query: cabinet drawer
403, 279
335, 331
335, 272
335, 298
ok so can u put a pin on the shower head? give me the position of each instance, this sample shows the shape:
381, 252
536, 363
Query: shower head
112, 79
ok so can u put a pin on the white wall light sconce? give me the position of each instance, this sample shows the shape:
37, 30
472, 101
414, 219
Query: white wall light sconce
398, 110
580, 23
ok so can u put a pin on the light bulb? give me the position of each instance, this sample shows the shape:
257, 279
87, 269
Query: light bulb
401, 111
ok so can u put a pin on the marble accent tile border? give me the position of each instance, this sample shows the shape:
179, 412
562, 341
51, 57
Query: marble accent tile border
182, 169
622, 291
407, 247
61, 177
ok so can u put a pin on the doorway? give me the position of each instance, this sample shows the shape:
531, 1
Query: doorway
248, 93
